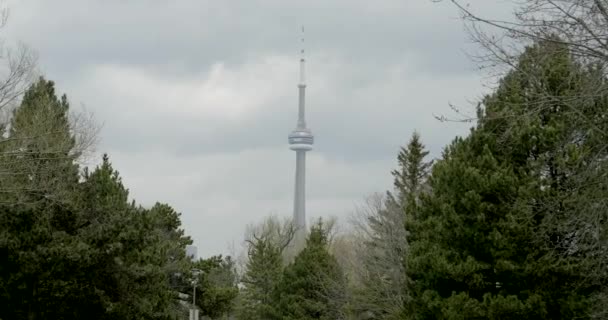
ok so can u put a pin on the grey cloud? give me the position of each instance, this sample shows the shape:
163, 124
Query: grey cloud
377, 71
192, 32
358, 122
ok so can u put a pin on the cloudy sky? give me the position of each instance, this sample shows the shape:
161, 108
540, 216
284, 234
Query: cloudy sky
196, 98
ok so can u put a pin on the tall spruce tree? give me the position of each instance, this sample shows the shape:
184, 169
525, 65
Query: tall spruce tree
480, 247
313, 286
38, 154
411, 173
40, 274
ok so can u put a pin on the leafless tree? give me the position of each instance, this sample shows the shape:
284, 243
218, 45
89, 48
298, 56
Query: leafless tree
17, 71
18, 67
280, 231
580, 25
377, 276
85, 129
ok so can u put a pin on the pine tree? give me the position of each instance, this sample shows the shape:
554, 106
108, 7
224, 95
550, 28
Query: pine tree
475, 250
172, 239
39, 154
263, 273
109, 223
41, 274
216, 288
76, 249
411, 174
167, 241
134, 250
313, 286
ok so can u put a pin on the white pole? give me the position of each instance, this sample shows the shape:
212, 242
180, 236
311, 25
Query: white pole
194, 311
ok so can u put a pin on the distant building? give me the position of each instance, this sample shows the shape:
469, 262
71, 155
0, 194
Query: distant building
192, 252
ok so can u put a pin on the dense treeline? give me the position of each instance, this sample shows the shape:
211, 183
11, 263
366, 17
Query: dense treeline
73, 246
486, 242
510, 222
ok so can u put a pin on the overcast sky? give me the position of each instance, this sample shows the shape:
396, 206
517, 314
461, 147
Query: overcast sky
197, 97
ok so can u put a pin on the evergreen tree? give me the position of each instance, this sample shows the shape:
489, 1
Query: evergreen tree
40, 276
135, 250
475, 248
263, 273
268, 249
313, 286
38, 154
113, 262
411, 173
76, 249
166, 223
216, 288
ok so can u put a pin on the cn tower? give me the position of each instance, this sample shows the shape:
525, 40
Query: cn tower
300, 141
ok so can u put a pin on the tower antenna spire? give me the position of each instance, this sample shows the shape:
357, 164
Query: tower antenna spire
302, 60
302, 39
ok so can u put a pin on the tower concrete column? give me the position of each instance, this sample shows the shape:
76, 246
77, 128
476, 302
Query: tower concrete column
299, 203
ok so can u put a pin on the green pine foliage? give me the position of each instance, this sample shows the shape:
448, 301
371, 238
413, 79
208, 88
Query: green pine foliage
73, 246
40, 273
136, 249
313, 286
216, 288
263, 273
483, 245
410, 177
38, 153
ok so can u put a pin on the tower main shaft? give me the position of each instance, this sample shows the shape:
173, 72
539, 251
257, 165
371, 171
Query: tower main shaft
299, 202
